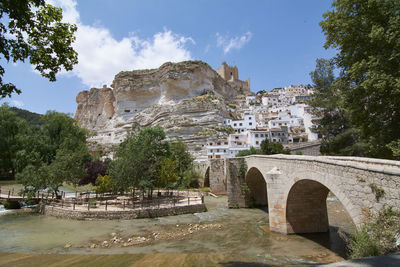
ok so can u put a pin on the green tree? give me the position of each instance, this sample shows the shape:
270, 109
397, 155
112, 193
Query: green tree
32, 29
366, 35
56, 152
179, 152
138, 159
9, 128
104, 184
269, 148
339, 137
169, 172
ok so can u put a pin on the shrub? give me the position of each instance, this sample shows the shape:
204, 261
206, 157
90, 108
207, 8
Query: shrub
378, 191
12, 205
190, 178
377, 237
362, 244
248, 152
104, 184
94, 169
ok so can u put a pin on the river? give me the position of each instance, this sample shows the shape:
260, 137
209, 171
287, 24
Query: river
241, 233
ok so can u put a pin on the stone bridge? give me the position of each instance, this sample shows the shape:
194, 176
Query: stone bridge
295, 188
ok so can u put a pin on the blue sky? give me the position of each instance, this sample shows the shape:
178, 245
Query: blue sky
274, 42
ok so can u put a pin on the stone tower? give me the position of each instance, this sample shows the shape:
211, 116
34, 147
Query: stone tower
231, 75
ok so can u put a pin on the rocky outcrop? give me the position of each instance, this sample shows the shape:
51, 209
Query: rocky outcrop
186, 98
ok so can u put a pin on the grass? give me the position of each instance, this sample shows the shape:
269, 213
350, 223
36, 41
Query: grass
79, 189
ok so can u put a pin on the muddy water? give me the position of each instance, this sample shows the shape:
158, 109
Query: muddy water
244, 234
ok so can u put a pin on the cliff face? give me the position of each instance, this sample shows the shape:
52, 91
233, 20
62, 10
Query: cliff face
171, 96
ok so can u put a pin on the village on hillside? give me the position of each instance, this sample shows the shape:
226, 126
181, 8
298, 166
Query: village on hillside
280, 115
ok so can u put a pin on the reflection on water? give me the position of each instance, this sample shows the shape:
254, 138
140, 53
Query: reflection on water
243, 234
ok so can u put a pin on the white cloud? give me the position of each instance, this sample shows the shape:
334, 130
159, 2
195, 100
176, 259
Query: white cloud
101, 56
17, 103
236, 42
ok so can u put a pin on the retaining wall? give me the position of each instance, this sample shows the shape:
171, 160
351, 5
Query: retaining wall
123, 215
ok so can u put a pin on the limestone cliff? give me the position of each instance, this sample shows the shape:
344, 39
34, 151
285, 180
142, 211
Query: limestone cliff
172, 96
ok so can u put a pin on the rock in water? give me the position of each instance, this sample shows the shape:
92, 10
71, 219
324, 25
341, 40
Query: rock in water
173, 96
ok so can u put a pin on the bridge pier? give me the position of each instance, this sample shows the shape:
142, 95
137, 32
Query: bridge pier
276, 207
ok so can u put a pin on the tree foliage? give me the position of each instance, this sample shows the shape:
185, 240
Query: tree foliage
32, 29
94, 169
248, 152
146, 160
168, 172
339, 137
138, 159
366, 35
270, 148
9, 128
52, 154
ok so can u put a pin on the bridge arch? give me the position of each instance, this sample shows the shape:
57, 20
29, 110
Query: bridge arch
256, 183
306, 208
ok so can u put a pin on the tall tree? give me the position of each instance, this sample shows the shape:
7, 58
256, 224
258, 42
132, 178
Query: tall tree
52, 154
9, 127
32, 29
366, 35
339, 137
138, 159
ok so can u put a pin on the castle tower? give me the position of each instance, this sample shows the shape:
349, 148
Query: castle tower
231, 75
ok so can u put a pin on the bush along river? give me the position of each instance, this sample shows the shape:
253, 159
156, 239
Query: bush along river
237, 234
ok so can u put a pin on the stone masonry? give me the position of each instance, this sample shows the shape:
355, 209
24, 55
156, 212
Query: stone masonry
297, 187
218, 176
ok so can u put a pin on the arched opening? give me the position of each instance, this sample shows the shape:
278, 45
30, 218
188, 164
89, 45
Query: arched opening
306, 210
312, 208
207, 178
256, 195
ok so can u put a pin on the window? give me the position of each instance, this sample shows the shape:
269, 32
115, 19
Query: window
211, 143
256, 142
218, 143
240, 124
217, 156
217, 150
273, 134
224, 150
239, 143
249, 118
234, 124
211, 151
250, 123
226, 143
210, 156
261, 135
236, 137
256, 135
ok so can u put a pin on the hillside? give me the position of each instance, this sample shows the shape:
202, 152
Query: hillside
30, 117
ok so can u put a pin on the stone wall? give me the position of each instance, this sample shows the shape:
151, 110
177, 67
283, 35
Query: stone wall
306, 148
236, 181
121, 215
218, 176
